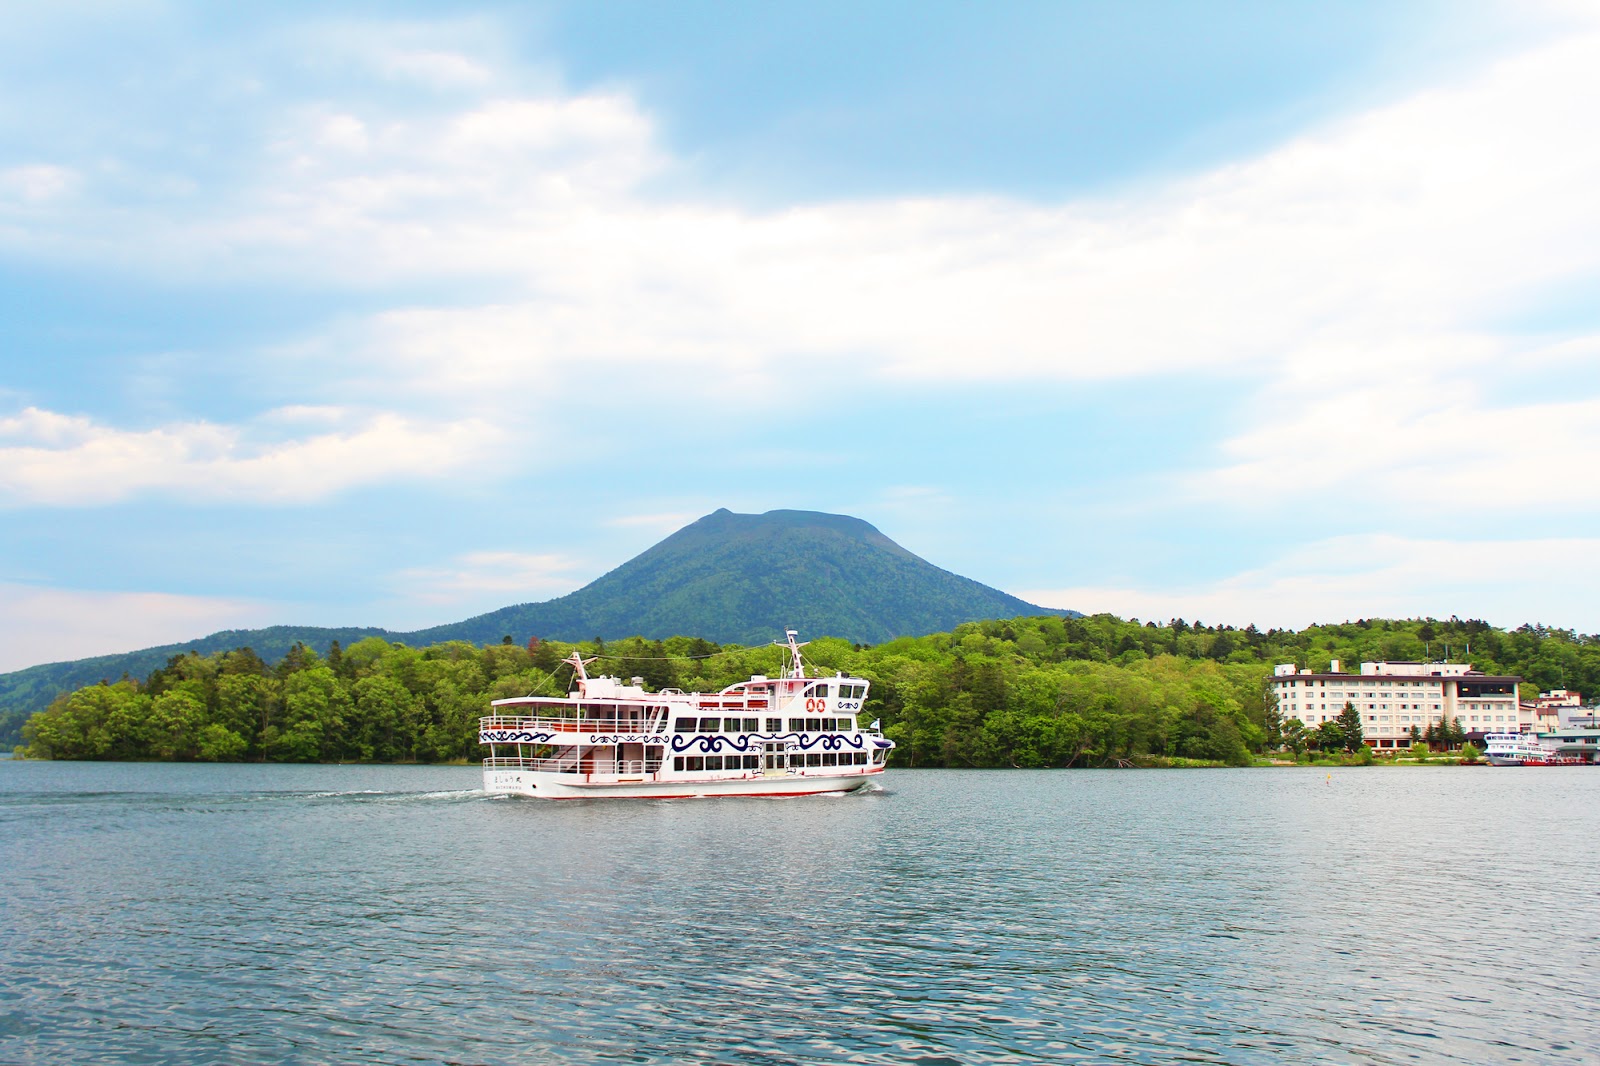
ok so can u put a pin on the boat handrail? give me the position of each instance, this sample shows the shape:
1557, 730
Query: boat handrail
570, 765
524, 723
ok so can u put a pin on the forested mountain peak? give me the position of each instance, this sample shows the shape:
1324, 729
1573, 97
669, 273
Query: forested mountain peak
742, 578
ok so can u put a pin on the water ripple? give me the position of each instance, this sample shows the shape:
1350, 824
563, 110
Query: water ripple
389, 914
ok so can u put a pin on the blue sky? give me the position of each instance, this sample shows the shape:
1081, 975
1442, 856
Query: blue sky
393, 314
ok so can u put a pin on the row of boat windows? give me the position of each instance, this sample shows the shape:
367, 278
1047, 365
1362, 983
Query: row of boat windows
753, 725
1359, 684
844, 692
753, 762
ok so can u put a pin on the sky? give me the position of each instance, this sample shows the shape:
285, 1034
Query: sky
393, 314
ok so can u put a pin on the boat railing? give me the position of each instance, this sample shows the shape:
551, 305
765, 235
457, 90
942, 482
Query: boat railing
523, 723
583, 766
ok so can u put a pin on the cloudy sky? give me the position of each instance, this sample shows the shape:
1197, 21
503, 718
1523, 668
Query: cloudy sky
391, 314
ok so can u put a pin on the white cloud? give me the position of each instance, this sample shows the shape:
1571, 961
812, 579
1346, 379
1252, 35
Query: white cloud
500, 576
37, 183
1352, 280
39, 625
1379, 242
74, 461
1505, 582
1434, 443
663, 522
439, 69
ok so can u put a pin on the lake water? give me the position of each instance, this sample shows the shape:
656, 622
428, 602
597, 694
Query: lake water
285, 914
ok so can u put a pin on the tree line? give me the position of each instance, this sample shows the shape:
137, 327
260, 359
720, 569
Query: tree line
1028, 692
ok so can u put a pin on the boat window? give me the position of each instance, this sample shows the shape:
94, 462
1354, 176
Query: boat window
819, 689
814, 759
830, 759
861, 758
713, 762
774, 725
847, 724
798, 725
830, 724
683, 725
710, 725
752, 725
752, 762
677, 762
695, 762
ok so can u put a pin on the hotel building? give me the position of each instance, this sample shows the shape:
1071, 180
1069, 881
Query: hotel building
1393, 697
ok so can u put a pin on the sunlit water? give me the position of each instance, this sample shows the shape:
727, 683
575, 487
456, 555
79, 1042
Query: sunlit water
268, 914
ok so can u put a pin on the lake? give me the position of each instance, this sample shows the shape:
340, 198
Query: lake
307, 914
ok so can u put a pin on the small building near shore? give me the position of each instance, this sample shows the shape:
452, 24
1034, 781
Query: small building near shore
1395, 697
1579, 742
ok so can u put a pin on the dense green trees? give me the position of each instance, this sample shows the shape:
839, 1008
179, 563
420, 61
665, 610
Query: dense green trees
1028, 692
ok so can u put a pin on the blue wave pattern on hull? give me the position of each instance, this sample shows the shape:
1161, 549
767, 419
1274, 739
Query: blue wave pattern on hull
711, 744
514, 736
682, 742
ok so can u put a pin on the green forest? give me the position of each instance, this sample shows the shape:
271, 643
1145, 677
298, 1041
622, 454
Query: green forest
1028, 692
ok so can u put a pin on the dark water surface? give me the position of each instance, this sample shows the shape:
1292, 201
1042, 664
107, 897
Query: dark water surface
275, 914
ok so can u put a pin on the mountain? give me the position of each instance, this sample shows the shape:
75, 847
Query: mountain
741, 578
731, 578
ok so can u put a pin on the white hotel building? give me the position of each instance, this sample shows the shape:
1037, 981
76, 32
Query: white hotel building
1393, 697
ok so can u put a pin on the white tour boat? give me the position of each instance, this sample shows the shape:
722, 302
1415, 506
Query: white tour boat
1514, 749
787, 736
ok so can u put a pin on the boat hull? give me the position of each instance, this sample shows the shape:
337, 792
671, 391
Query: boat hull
545, 785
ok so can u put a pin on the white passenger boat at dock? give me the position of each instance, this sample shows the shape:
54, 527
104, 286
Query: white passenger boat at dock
1515, 749
787, 736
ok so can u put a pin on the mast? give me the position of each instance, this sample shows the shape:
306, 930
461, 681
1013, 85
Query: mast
797, 667
578, 663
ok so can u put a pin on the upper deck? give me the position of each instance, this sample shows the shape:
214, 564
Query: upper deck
605, 705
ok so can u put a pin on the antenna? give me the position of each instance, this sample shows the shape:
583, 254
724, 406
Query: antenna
797, 667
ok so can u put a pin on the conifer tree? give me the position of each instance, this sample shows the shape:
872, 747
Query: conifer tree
1350, 725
